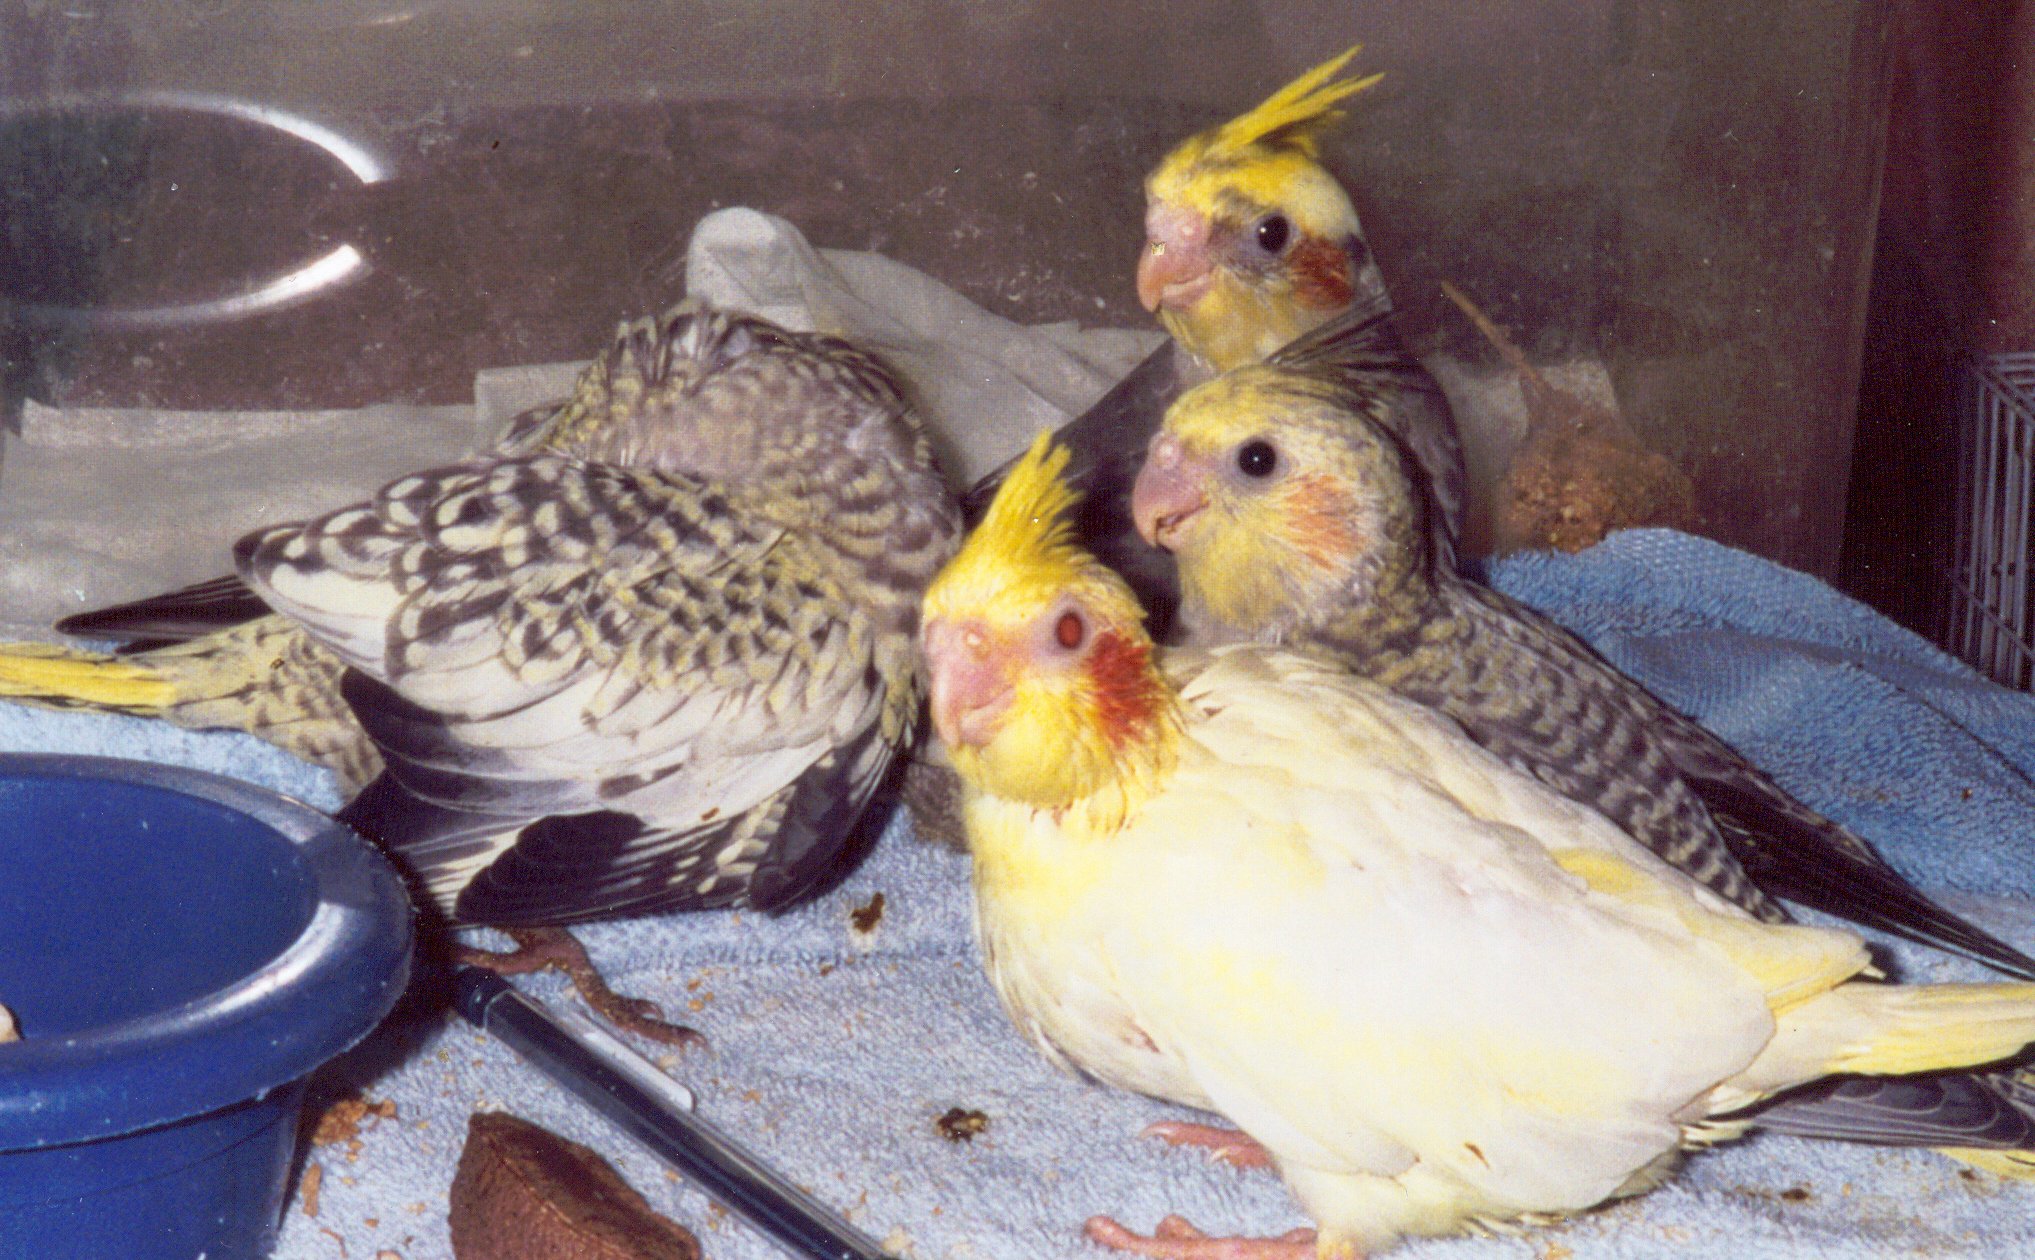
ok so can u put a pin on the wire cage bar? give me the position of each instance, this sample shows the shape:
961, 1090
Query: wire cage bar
1987, 615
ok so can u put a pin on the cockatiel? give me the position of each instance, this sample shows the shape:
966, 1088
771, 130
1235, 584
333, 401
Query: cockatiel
215, 656
1438, 993
653, 653
1249, 241
1296, 521
1253, 250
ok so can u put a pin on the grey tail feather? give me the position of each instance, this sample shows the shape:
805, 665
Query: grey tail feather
1988, 1110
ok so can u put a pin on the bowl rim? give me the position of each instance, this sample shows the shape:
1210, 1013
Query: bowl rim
324, 992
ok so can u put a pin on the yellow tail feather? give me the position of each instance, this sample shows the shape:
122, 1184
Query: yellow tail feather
43, 673
1894, 1030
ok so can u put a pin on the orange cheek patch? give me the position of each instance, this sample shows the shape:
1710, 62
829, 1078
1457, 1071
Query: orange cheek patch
1125, 690
1322, 275
1319, 521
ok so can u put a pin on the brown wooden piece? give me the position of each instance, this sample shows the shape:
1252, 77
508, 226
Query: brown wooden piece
524, 1193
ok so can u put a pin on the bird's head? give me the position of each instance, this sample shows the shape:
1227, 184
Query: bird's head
1044, 688
1280, 503
1249, 241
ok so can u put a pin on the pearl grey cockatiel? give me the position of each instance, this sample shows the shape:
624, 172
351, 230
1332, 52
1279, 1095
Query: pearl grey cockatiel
652, 652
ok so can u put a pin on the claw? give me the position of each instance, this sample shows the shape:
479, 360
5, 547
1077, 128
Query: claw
556, 949
1224, 1146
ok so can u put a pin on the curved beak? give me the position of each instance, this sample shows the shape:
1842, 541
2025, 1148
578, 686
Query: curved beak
970, 688
1176, 267
1169, 493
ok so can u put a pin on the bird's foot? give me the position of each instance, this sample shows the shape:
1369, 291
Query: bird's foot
1175, 1239
1224, 1146
554, 948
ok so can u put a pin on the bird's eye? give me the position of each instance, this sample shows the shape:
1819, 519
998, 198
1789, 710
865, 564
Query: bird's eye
1272, 231
1069, 630
1257, 458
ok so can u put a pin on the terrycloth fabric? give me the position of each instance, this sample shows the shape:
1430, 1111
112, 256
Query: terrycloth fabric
1857, 716
835, 1050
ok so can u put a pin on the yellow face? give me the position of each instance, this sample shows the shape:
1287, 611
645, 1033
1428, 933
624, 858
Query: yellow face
1252, 484
1240, 260
1042, 682
1035, 710
1249, 242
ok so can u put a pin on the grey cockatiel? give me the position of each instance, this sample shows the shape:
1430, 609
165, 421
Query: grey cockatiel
653, 652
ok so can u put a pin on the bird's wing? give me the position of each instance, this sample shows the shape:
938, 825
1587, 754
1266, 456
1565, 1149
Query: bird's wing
1792, 851
1692, 797
171, 617
203, 607
592, 685
1362, 971
1992, 1110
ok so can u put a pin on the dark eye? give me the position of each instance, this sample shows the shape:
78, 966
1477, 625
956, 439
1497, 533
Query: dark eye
1257, 458
1070, 630
1272, 231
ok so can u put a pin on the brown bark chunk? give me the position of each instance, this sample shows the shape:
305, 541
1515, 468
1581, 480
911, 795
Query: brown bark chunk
524, 1193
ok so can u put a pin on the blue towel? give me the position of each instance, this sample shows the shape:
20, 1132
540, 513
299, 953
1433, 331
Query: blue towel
834, 1051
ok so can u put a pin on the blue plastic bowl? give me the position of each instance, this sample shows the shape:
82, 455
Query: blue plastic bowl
180, 951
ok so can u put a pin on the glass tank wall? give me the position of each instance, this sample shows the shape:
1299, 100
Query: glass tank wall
1666, 204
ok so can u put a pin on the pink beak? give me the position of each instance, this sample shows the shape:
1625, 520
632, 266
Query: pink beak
970, 690
1168, 492
1175, 269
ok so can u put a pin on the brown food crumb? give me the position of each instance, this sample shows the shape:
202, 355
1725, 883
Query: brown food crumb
866, 917
341, 1122
314, 1176
1574, 489
958, 1125
1967, 1174
1793, 1194
335, 1237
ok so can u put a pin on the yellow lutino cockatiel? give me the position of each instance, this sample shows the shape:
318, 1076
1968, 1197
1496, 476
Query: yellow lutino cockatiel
1436, 992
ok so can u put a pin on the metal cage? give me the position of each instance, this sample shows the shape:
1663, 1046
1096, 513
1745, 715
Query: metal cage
1987, 617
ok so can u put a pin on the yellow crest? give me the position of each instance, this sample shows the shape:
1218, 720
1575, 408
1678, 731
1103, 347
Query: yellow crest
1025, 540
1069, 732
1295, 115
1030, 509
